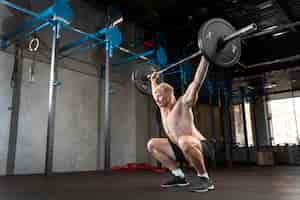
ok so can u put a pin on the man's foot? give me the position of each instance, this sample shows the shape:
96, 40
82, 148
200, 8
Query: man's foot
203, 184
175, 181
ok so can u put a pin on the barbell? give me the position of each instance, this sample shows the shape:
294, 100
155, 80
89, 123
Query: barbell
218, 41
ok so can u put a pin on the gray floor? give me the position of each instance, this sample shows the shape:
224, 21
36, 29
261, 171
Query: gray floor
237, 183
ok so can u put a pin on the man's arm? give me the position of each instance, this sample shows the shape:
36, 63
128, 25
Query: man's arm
191, 95
154, 84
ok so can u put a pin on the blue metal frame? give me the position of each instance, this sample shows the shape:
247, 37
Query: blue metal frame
80, 41
111, 34
6, 43
159, 60
138, 55
161, 57
11, 5
135, 57
58, 21
59, 16
92, 36
60, 11
82, 50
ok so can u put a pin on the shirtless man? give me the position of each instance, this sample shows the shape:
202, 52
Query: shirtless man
184, 143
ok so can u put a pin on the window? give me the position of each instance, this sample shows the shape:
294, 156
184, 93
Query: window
297, 116
285, 120
249, 124
238, 125
238, 137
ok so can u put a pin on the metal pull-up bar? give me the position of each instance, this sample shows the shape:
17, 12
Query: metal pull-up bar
59, 11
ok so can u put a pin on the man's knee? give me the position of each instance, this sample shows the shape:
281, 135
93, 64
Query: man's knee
186, 144
151, 145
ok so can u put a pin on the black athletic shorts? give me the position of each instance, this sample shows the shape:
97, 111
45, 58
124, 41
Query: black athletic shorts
208, 151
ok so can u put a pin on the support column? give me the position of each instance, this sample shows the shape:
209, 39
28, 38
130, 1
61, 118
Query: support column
107, 133
16, 83
226, 120
52, 101
244, 122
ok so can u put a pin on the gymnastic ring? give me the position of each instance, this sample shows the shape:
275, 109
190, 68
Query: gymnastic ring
34, 44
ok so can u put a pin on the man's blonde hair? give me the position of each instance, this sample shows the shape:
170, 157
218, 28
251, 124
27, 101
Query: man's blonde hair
167, 88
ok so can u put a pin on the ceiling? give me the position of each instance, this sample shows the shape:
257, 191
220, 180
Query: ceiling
180, 21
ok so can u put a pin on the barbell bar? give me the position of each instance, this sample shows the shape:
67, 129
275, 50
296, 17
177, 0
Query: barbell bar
243, 33
220, 42
272, 30
230, 43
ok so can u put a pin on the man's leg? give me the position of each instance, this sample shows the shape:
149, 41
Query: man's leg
193, 151
162, 151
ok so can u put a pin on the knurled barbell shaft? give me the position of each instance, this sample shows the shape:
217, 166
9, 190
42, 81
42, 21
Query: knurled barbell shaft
240, 33
272, 30
178, 63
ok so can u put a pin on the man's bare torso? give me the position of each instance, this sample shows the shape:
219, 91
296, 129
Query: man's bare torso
179, 121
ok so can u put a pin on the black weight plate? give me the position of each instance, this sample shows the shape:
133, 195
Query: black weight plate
140, 80
208, 37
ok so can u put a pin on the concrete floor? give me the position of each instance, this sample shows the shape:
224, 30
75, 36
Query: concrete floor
244, 183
